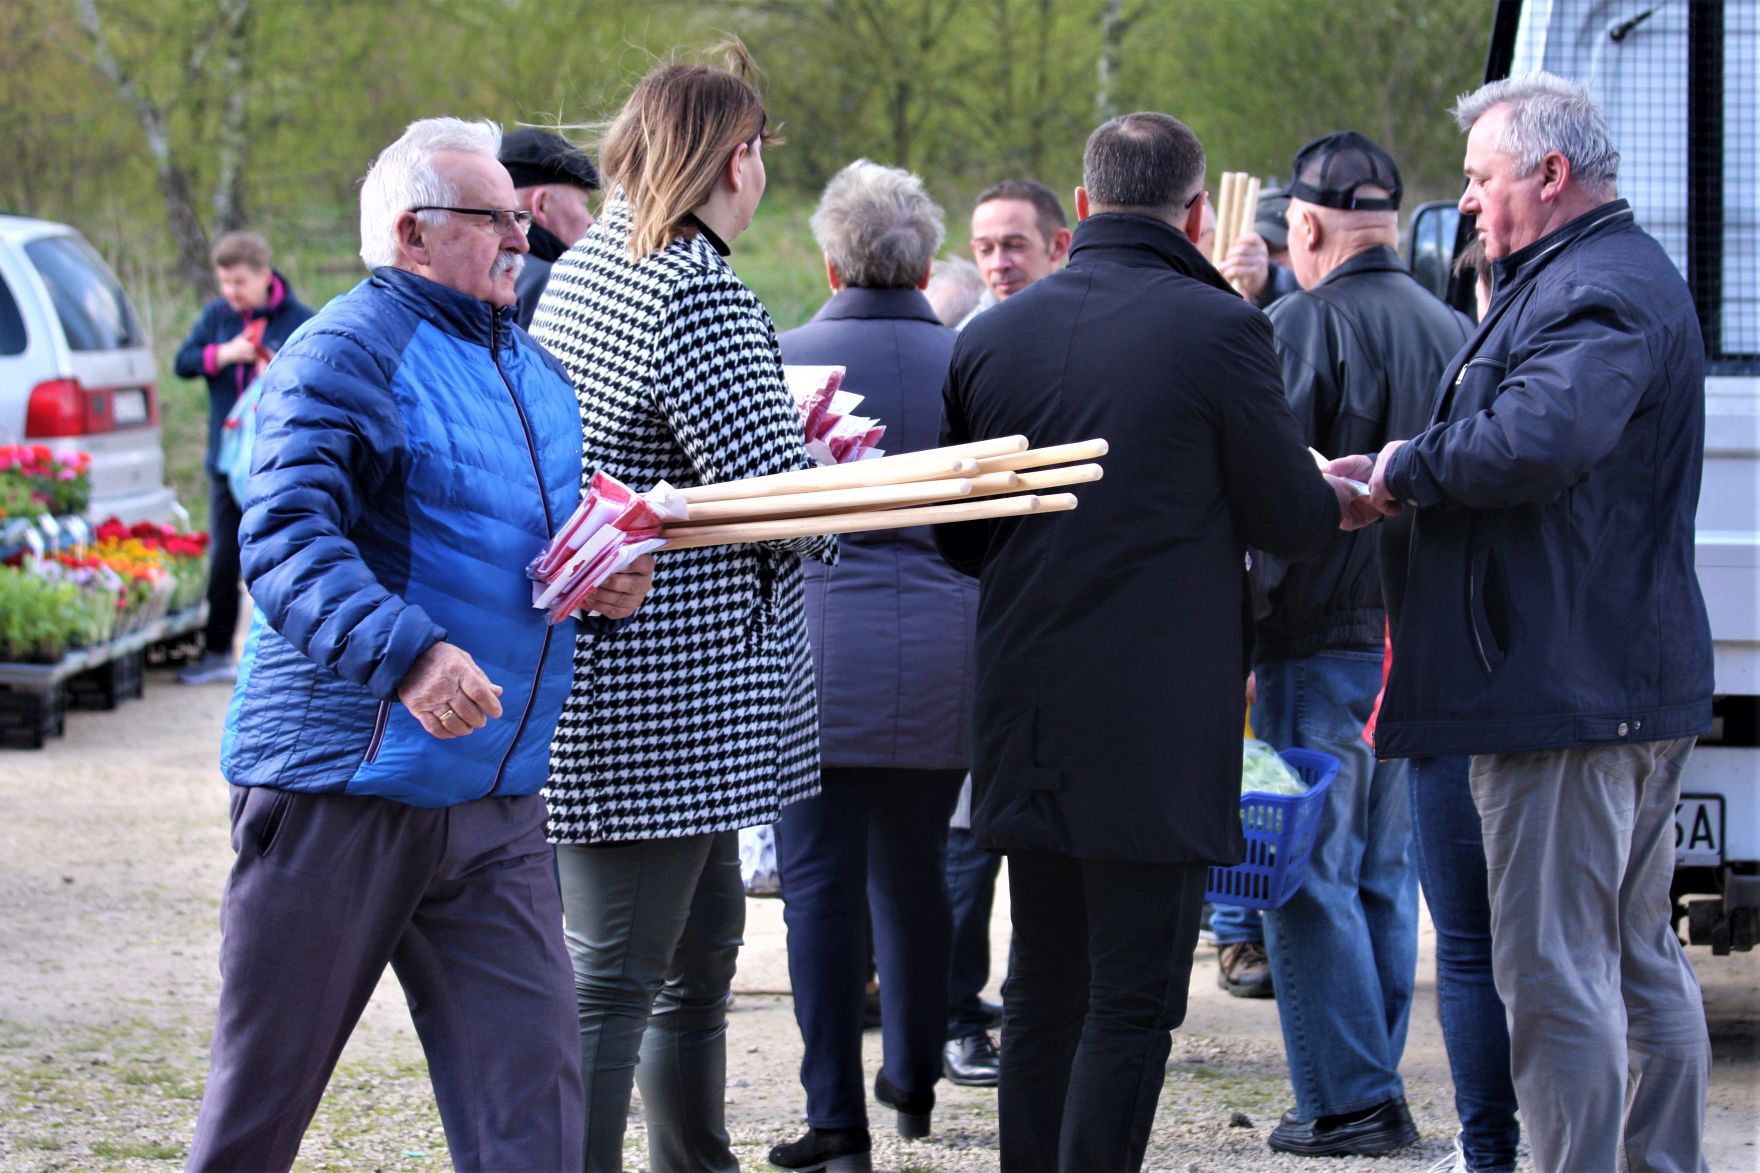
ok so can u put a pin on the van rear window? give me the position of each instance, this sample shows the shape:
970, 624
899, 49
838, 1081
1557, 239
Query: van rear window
94, 312
12, 338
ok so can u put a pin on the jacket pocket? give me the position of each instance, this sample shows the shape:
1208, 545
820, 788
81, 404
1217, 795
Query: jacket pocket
1473, 389
273, 822
1480, 574
380, 721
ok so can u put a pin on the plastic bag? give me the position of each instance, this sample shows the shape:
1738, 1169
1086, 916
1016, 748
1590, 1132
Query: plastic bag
757, 861
1264, 772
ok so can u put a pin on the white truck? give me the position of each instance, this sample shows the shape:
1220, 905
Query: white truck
1679, 81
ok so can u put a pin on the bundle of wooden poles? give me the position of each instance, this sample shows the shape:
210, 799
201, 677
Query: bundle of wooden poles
929, 487
1237, 204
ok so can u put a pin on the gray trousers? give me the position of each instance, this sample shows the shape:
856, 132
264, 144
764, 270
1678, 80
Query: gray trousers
1608, 1044
461, 902
654, 929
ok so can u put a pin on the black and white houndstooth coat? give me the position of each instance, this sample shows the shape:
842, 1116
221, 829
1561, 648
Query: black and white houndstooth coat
695, 714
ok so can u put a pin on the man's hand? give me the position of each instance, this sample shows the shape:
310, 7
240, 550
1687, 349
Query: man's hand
1252, 689
619, 596
448, 693
236, 350
1379, 497
1247, 265
1354, 510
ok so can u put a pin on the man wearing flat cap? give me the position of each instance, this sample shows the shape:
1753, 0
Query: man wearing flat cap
1362, 346
553, 180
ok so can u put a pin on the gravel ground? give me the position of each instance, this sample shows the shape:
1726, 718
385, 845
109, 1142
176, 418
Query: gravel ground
113, 852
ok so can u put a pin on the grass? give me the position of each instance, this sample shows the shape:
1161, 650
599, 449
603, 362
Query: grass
776, 256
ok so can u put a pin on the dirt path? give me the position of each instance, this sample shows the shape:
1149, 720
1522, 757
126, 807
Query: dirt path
113, 852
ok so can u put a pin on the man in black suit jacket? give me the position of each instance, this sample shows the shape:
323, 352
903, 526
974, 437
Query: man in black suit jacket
1111, 649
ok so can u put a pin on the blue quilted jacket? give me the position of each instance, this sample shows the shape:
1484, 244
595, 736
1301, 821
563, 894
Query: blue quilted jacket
414, 452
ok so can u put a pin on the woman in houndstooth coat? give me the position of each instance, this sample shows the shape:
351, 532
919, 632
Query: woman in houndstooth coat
695, 717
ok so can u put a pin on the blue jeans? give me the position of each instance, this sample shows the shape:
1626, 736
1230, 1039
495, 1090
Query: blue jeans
867, 850
1234, 924
1451, 865
1344, 949
971, 891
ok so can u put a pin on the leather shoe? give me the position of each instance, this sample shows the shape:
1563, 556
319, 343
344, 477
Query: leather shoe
913, 1111
992, 1012
826, 1150
1244, 969
972, 1061
1381, 1129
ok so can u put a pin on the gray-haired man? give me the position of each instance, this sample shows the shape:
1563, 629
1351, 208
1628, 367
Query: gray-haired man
1553, 628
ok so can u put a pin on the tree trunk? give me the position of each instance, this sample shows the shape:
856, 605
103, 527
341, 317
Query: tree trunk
174, 185
229, 209
1112, 27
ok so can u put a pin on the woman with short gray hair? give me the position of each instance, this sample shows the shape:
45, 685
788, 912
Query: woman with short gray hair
891, 631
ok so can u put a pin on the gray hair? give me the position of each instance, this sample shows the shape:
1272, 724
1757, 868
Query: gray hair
878, 226
955, 289
403, 176
1548, 113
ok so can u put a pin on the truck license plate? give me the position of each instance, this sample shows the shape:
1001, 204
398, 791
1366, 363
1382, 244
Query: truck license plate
1698, 831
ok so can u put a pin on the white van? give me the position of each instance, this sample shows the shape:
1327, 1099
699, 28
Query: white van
76, 371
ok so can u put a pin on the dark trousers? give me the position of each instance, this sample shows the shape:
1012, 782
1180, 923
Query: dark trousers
1102, 958
223, 519
871, 845
971, 893
654, 928
461, 902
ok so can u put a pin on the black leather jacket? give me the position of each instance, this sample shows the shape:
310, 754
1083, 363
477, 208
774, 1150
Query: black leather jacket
1550, 599
1361, 353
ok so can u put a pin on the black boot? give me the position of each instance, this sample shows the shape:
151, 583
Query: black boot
913, 1111
826, 1150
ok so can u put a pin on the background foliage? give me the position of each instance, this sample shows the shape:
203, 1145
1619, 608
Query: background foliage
269, 111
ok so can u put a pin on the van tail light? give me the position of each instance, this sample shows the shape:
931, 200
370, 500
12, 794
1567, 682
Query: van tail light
62, 407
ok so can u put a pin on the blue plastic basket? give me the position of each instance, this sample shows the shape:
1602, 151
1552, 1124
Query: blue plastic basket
1280, 830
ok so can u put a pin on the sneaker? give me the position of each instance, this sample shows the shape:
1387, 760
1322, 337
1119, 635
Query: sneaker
1382, 1129
210, 669
826, 1150
972, 1061
1244, 969
1454, 1162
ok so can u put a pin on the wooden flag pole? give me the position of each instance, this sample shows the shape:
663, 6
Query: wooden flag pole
782, 529
832, 501
1041, 457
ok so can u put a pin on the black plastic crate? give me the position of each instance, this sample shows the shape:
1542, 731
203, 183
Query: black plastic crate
29, 718
109, 684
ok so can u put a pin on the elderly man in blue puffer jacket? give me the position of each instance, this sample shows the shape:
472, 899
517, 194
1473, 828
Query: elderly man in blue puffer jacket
391, 724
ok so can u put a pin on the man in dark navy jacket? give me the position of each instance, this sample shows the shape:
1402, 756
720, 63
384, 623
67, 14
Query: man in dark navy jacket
1552, 625
1111, 650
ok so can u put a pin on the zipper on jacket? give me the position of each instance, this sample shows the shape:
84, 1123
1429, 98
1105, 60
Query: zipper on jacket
379, 723
525, 424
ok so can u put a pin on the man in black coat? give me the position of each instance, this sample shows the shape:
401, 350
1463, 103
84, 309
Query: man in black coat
1111, 649
1362, 345
553, 180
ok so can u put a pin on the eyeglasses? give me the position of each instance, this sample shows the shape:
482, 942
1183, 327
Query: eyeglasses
503, 219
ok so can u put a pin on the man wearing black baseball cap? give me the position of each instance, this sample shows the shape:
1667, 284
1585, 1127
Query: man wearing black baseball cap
1362, 346
553, 180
